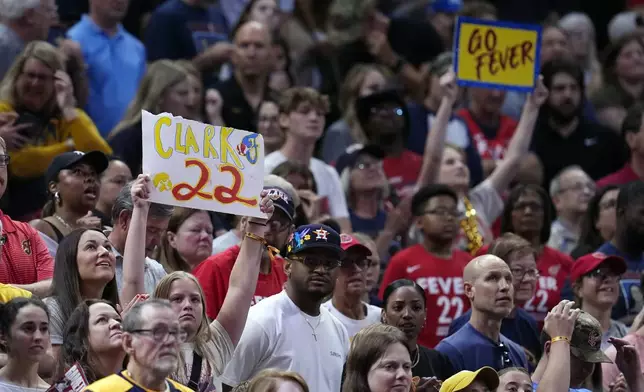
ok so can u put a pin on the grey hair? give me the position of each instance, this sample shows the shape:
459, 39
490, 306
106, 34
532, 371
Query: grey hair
271, 180
555, 184
16, 9
123, 202
575, 20
134, 317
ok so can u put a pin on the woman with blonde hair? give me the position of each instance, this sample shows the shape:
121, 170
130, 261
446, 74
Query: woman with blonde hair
273, 380
165, 88
362, 80
37, 97
207, 346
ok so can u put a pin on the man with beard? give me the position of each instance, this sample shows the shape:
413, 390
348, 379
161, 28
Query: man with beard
214, 272
385, 121
563, 137
151, 339
628, 244
290, 330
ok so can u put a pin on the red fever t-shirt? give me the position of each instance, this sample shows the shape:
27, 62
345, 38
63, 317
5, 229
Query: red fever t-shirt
442, 280
214, 276
554, 268
403, 171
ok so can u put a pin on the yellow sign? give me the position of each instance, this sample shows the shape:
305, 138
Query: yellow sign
497, 54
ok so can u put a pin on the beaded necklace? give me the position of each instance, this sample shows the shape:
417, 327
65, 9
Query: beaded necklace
470, 226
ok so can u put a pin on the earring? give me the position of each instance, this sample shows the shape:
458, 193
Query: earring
57, 198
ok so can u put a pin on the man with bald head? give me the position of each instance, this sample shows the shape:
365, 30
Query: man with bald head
248, 87
487, 281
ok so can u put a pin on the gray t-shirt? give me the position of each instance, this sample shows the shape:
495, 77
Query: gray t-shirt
56, 320
224, 242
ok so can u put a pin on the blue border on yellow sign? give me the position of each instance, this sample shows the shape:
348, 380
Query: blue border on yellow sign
510, 25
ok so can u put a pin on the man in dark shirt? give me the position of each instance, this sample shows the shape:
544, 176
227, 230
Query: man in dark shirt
563, 138
248, 86
191, 30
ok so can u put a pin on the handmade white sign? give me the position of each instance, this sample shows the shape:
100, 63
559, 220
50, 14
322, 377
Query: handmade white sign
203, 166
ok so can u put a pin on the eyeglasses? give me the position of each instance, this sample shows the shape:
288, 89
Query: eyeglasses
444, 213
602, 274
360, 262
4, 160
313, 262
386, 110
160, 333
278, 223
520, 273
580, 186
368, 165
506, 361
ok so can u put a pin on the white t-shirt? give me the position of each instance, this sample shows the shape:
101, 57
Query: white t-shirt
354, 326
326, 178
278, 336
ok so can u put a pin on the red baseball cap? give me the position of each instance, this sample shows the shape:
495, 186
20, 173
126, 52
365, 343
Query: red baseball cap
348, 241
591, 261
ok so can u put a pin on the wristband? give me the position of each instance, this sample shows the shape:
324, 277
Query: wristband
560, 338
272, 251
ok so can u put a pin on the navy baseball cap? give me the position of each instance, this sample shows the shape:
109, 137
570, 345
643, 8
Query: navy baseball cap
353, 152
95, 159
314, 236
282, 200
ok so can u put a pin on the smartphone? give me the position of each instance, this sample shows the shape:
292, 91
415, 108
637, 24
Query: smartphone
35, 122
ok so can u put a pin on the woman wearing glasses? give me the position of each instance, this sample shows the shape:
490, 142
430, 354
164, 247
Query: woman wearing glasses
595, 282
527, 214
519, 326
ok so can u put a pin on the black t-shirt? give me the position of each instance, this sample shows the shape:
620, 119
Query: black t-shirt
128, 145
415, 41
237, 112
598, 150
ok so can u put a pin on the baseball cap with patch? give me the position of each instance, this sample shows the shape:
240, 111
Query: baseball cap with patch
314, 236
348, 241
586, 340
95, 159
282, 200
592, 261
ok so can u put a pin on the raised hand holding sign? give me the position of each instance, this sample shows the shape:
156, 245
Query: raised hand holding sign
203, 166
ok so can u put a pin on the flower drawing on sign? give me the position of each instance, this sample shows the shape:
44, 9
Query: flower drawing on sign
162, 182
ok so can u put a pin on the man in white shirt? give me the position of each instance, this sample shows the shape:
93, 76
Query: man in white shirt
351, 286
290, 330
302, 112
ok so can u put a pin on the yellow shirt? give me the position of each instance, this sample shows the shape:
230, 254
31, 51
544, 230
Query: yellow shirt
122, 382
33, 159
8, 292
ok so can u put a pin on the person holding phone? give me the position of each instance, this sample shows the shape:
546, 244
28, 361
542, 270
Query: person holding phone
40, 93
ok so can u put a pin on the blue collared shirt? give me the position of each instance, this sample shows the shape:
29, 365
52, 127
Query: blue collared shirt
115, 66
468, 349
